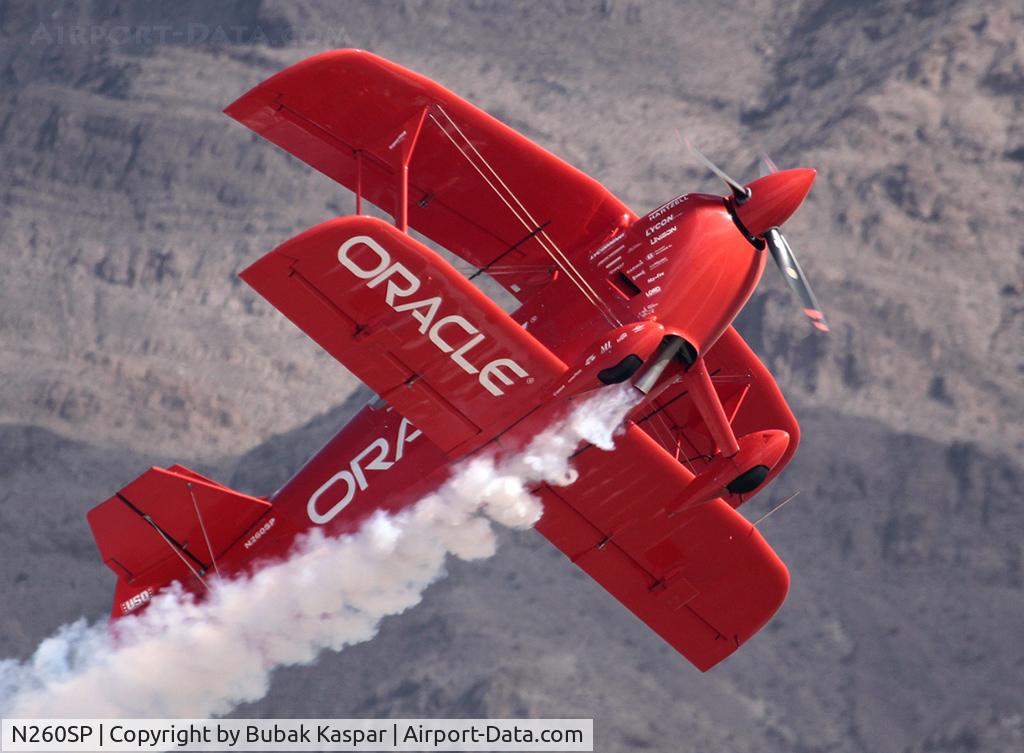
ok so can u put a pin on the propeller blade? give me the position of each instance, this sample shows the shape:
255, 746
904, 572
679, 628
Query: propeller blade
739, 191
790, 268
765, 165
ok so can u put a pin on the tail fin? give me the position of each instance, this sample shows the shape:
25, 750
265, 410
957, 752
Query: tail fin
167, 525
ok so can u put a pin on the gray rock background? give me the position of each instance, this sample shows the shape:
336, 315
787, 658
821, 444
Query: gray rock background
128, 203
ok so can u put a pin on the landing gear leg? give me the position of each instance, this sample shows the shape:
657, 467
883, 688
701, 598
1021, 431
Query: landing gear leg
738, 467
698, 382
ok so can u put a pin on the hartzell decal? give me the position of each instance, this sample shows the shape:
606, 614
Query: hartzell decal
666, 207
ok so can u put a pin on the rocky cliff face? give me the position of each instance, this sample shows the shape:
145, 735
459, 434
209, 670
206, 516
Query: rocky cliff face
128, 203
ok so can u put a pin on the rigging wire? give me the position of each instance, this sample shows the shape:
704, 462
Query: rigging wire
550, 247
177, 551
556, 252
202, 527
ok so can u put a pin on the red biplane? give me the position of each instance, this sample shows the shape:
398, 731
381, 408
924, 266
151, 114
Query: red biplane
604, 297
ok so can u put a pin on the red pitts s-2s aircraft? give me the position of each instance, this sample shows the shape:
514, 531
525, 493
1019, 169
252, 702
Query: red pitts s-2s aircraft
605, 297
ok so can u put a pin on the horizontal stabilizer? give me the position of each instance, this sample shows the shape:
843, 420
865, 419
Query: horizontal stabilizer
166, 525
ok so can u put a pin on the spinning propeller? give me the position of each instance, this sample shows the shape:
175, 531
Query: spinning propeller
762, 206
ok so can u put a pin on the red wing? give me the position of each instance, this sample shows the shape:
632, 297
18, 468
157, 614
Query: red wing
410, 326
749, 395
467, 169
704, 580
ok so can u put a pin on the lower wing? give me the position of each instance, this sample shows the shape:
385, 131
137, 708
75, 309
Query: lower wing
704, 579
408, 324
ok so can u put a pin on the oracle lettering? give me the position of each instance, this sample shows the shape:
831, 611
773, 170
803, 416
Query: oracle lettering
353, 479
401, 283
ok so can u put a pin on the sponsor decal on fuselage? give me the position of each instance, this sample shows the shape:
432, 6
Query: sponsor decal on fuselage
401, 285
667, 207
658, 225
340, 489
662, 236
136, 601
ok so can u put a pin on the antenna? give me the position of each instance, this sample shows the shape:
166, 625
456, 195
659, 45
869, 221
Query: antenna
779, 506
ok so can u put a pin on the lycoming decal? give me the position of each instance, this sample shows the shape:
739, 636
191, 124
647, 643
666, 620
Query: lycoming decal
425, 312
353, 478
659, 225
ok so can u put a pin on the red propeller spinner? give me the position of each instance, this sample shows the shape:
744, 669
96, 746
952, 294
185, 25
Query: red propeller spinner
761, 207
773, 199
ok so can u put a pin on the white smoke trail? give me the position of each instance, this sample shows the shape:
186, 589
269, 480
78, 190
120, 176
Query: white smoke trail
184, 659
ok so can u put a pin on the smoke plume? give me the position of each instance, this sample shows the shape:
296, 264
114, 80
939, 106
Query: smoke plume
188, 659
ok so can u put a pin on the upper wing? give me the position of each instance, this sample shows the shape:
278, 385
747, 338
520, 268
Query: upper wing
704, 580
476, 187
410, 326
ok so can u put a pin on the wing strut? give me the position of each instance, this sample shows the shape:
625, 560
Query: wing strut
405, 142
359, 180
523, 215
